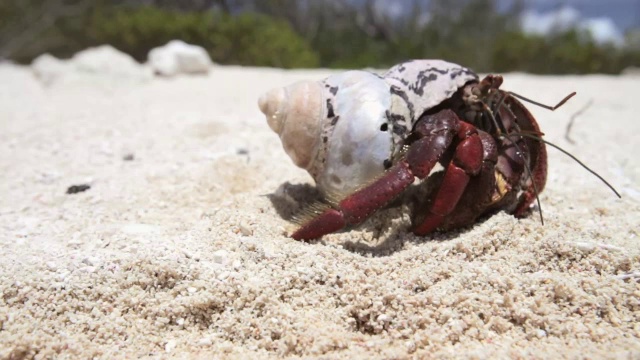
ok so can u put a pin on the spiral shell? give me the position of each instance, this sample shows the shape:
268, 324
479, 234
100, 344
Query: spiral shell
294, 112
346, 129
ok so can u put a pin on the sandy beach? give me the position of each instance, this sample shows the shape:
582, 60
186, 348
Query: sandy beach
179, 250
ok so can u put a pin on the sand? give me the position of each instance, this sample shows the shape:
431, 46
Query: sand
178, 249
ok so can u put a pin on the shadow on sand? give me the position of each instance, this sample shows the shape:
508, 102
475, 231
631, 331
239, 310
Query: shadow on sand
387, 231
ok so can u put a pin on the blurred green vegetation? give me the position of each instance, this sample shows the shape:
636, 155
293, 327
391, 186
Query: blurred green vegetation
564, 53
244, 39
299, 33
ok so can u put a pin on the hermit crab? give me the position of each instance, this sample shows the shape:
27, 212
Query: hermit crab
365, 138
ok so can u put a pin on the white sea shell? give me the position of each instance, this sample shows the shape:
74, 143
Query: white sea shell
345, 129
295, 112
358, 143
178, 57
332, 128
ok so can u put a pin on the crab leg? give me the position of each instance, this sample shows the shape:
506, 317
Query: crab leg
467, 162
360, 205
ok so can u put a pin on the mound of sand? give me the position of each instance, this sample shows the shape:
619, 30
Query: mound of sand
177, 249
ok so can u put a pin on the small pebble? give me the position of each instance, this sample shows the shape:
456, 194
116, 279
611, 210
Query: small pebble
585, 247
245, 229
411, 346
51, 266
74, 189
170, 345
191, 290
220, 256
62, 275
237, 264
223, 275
205, 342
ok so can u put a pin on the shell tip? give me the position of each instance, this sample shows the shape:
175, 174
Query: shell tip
263, 103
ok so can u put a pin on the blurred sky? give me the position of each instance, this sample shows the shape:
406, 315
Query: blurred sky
607, 20
624, 13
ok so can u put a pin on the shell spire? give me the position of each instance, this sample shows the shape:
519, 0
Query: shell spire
295, 113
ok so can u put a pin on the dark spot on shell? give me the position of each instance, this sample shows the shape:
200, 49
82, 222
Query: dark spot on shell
335, 120
325, 139
387, 164
423, 80
398, 92
455, 73
384, 127
336, 180
333, 90
395, 118
347, 159
330, 112
398, 130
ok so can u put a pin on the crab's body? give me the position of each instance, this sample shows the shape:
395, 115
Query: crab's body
364, 138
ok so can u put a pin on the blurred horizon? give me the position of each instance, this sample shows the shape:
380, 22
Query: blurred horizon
625, 14
537, 36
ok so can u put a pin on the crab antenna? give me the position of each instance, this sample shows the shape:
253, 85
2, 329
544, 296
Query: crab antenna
499, 104
499, 129
538, 138
543, 105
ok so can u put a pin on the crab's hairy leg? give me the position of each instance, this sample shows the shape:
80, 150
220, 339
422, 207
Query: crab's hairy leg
360, 205
467, 161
